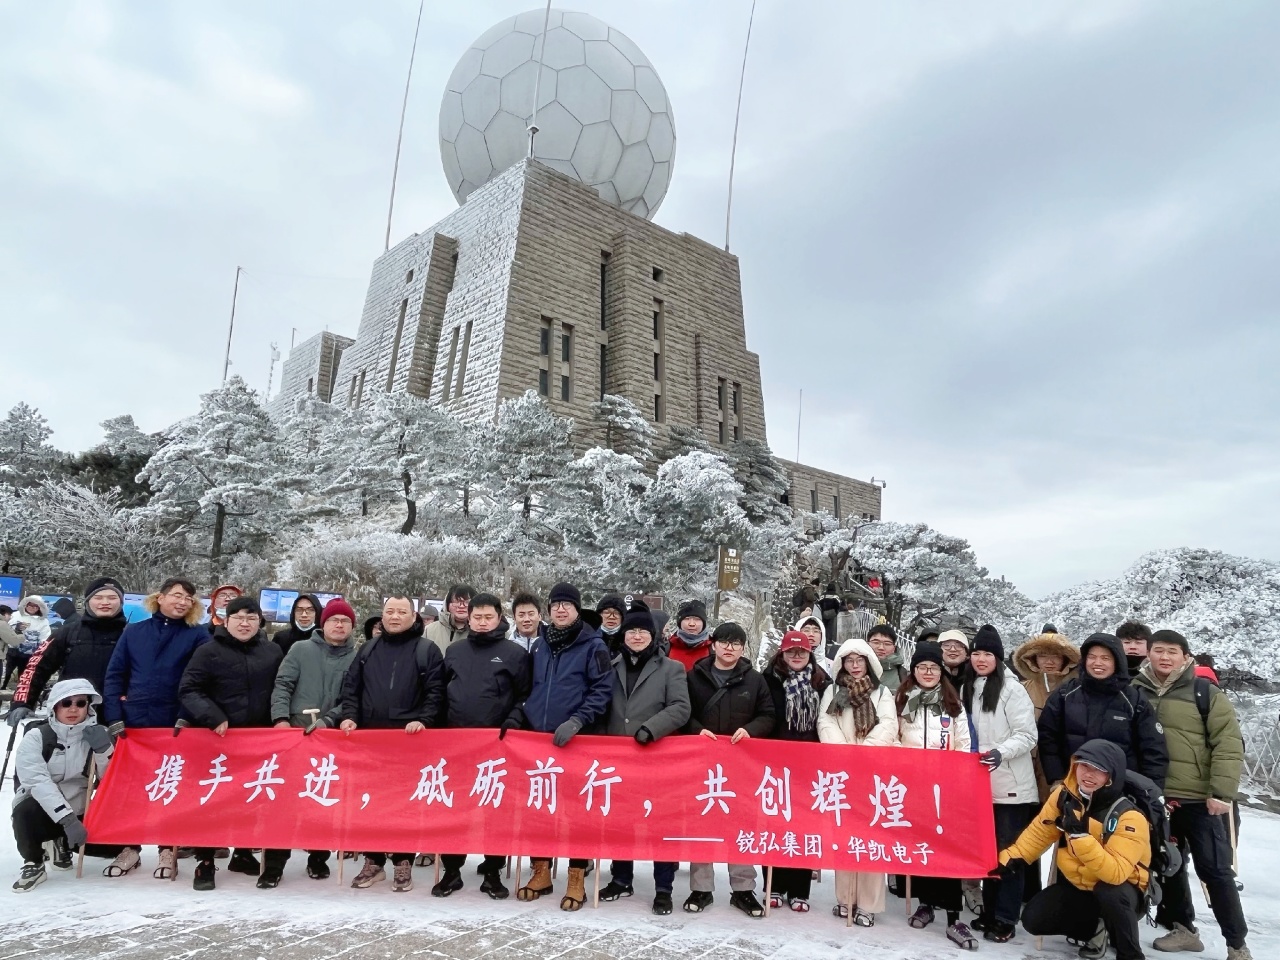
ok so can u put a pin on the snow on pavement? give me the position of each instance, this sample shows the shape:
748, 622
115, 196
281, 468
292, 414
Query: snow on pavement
140, 918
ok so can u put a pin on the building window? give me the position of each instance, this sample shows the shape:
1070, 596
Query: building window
351, 392
565, 348
786, 498
737, 394
720, 425
395, 343
657, 322
604, 370
737, 431
657, 408
835, 506
311, 384
408, 277
720, 392
453, 356
544, 341
657, 366
604, 280
542, 383
360, 390
564, 388
564, 366
813, 501
462, 361
657, 274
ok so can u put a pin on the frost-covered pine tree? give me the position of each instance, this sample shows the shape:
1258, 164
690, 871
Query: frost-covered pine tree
625, 428
680, 440
601, 519
25, 454
763, 481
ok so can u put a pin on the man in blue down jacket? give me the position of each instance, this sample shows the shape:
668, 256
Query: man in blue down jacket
572, 690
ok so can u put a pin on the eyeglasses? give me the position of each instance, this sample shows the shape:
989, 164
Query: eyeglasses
243, 617
338, 618
929, 670
732, 644
78, 702
560, 604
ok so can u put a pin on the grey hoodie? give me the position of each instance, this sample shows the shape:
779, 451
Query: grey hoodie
60, 785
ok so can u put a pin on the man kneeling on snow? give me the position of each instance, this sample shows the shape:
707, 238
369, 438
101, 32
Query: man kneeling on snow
1103, 859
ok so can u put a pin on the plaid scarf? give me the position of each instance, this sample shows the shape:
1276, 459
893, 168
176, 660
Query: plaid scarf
855, 695
802, 700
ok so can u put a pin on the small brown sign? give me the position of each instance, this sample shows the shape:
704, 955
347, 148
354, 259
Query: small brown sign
730, 573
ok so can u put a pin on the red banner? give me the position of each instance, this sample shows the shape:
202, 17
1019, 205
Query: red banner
880, 809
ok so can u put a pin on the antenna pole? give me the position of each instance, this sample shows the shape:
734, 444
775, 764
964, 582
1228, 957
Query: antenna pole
737, 115
235, 295
537, 79
799, 412
404, 106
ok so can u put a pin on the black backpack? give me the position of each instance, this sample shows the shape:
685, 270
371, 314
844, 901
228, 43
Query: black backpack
48, 744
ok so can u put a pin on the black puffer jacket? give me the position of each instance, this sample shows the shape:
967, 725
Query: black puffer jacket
1085, 709
775, 677
288, 637
81, 650
744, 701
230, 680
395, 679
486, 678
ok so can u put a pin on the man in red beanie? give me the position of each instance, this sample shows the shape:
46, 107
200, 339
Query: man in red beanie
310, 678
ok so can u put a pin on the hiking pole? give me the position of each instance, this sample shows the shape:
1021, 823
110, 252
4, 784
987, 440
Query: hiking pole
8, 751
93, 782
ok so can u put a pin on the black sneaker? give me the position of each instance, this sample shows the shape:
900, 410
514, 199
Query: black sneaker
614, 890
745, 900
61, 853
269, 879
204, 875
317, 869
698, 900
662, 903
492, 885
982, 923
998, 932
32, 876
242, 861
451, 882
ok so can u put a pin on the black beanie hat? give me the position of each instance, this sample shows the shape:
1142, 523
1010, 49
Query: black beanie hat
1171, 636
565, 591
639, 619
104, 583
927, 651
692, 608
244, 603
612, 601
729, 631
988, 638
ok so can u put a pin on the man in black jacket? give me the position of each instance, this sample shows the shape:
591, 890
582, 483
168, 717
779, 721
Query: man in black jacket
728, 698
396, 680
1101, 704
486, 679
302, 622
228, 683
80, 649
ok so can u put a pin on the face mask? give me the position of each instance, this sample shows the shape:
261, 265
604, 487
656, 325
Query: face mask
222, 613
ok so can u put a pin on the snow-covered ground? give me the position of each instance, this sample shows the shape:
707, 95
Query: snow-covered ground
140, 918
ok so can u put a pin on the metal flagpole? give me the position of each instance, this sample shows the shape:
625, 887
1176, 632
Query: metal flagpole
404, 106
799, 412
235, 295
537, 79
737, 115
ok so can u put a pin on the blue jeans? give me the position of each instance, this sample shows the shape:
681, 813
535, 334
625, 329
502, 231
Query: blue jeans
664, 874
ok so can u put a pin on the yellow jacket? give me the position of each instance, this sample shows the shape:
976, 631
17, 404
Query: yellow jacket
1086, 860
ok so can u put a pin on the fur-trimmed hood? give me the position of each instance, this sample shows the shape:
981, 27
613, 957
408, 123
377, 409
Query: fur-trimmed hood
193, 617
1024, 658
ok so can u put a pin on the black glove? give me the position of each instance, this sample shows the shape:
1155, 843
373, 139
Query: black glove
643, 736
16, 715
1073, 816
74, 829
511, 723
1006, 869
97, 737
566, 731
991, 759
117, 730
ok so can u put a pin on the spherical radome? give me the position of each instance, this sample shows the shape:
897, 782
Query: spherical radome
603, 115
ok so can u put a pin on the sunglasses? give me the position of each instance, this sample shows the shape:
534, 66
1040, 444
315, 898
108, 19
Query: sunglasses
78, 702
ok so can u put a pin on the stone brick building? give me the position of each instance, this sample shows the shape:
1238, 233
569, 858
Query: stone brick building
535, 282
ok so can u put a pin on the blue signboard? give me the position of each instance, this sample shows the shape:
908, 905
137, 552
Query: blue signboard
11, 591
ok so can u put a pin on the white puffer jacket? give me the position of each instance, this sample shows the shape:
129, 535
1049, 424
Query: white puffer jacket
839, 729
59, 784
935, 731
1011, 729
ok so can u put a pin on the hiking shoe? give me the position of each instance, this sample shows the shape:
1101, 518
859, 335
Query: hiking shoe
614, 890
962, 936
1095, 948
1179, 939
999, 932
662, 903
204, 875
369, 874
402, 878
745, 900
317, 869
32, 876
167, 865
126, 860
242, 861
450, 883
1239, 953
982, 923
922, 917
270, 879
698, 900
61, 854
492, 885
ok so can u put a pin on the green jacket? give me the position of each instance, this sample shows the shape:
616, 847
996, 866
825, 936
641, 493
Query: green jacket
311, 676
1200, 766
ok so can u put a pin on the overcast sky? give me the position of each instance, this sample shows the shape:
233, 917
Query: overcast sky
1022, 257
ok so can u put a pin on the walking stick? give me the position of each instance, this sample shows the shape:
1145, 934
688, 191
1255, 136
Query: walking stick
595, 896
8, 751
1231, 826
518, 863
908, 897
437, 864
768, 888
341, 860
93, 782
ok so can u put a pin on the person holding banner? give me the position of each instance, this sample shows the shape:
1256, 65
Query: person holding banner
51, 776
229, 683
858, 709
373, 698
572, 689
797, 685
650, 701
486, 678
728, 698
932, 717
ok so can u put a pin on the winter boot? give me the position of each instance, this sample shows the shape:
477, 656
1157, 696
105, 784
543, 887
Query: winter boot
698, 900
1239, 953
369, 874
492, 885
745, 900
402, 877
242, 861
539, 881
451, 882
204, 875
167, 866
32, 876
270, 878
972, 890
616, 891
922, 917
126, 860
61, 858
1095, 948
1179, 939
662, 903
317, 867
575, 891
962, 936
999, 932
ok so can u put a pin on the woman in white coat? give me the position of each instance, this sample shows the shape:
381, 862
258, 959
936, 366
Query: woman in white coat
1005, 719
932, 717
857, 710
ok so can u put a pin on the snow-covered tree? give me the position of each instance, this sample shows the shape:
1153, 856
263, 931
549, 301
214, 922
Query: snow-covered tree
763, 482
599, 515
25, 454
681, 440
115, 463
626, 429
123, 438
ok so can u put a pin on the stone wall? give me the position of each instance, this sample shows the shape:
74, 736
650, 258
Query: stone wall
309, 370
813, 490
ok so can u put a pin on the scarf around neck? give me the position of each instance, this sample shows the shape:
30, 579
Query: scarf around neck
802, 699
920, 698
855, 695
558, 638
692, 640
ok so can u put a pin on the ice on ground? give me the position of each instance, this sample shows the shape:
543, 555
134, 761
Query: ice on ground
140, 918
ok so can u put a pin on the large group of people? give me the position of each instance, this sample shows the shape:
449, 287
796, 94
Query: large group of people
1064, 731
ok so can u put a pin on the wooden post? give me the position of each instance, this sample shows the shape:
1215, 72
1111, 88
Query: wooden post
595, 896
93, 782
341, 860
508, 868
518, 859
908, 879
437, 865
768, 873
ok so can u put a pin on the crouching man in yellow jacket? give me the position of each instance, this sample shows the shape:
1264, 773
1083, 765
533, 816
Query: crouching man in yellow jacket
1103, 858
